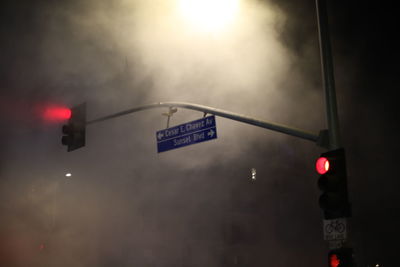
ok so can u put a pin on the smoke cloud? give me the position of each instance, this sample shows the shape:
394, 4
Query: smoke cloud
126, 205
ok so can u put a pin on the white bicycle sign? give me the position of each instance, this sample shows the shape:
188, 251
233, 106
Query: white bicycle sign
335, 229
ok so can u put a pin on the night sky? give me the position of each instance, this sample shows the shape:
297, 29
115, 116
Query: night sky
127, 205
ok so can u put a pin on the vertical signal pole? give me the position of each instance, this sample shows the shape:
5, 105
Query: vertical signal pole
339, 255
327, 75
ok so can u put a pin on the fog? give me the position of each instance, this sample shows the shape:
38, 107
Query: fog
126, 205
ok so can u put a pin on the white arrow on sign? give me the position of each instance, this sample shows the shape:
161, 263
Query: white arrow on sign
211, 133
160, 135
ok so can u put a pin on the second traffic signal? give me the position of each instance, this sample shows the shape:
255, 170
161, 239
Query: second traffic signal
334, 201
75, 131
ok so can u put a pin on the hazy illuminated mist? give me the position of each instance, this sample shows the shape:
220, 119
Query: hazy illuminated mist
126, 205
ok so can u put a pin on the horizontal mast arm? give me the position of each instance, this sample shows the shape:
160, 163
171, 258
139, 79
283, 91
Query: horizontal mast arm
221, 113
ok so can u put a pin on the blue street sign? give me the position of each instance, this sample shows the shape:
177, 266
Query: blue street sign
186, 134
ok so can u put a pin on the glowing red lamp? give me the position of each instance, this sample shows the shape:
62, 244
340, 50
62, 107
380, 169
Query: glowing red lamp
322, 165
57, 113
334, 260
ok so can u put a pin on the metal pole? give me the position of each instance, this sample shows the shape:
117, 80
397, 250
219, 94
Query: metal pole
327, 75
222, 113
331, 104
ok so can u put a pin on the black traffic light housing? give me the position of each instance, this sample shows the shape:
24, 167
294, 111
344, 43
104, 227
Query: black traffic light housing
334, 200
74, 133
341, 257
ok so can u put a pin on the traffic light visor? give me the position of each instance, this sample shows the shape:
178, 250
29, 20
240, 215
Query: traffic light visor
322, 165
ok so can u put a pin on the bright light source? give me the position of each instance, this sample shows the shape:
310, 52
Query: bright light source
334, 261
322, 165
209, 15
68, 175
253, 174
57, 113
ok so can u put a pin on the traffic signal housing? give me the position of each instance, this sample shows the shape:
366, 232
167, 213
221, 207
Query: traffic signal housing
74, 133
341, 257
334, 200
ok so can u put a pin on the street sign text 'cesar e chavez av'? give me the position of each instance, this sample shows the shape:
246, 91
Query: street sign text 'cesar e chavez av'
186, 134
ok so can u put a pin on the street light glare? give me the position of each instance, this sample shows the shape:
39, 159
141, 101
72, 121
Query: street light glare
209, 15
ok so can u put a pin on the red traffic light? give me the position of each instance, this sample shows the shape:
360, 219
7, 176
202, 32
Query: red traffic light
334, 260
341, 257
74, 132
57, 113
322, 165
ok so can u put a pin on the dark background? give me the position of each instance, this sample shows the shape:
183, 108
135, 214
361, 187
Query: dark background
126, 205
